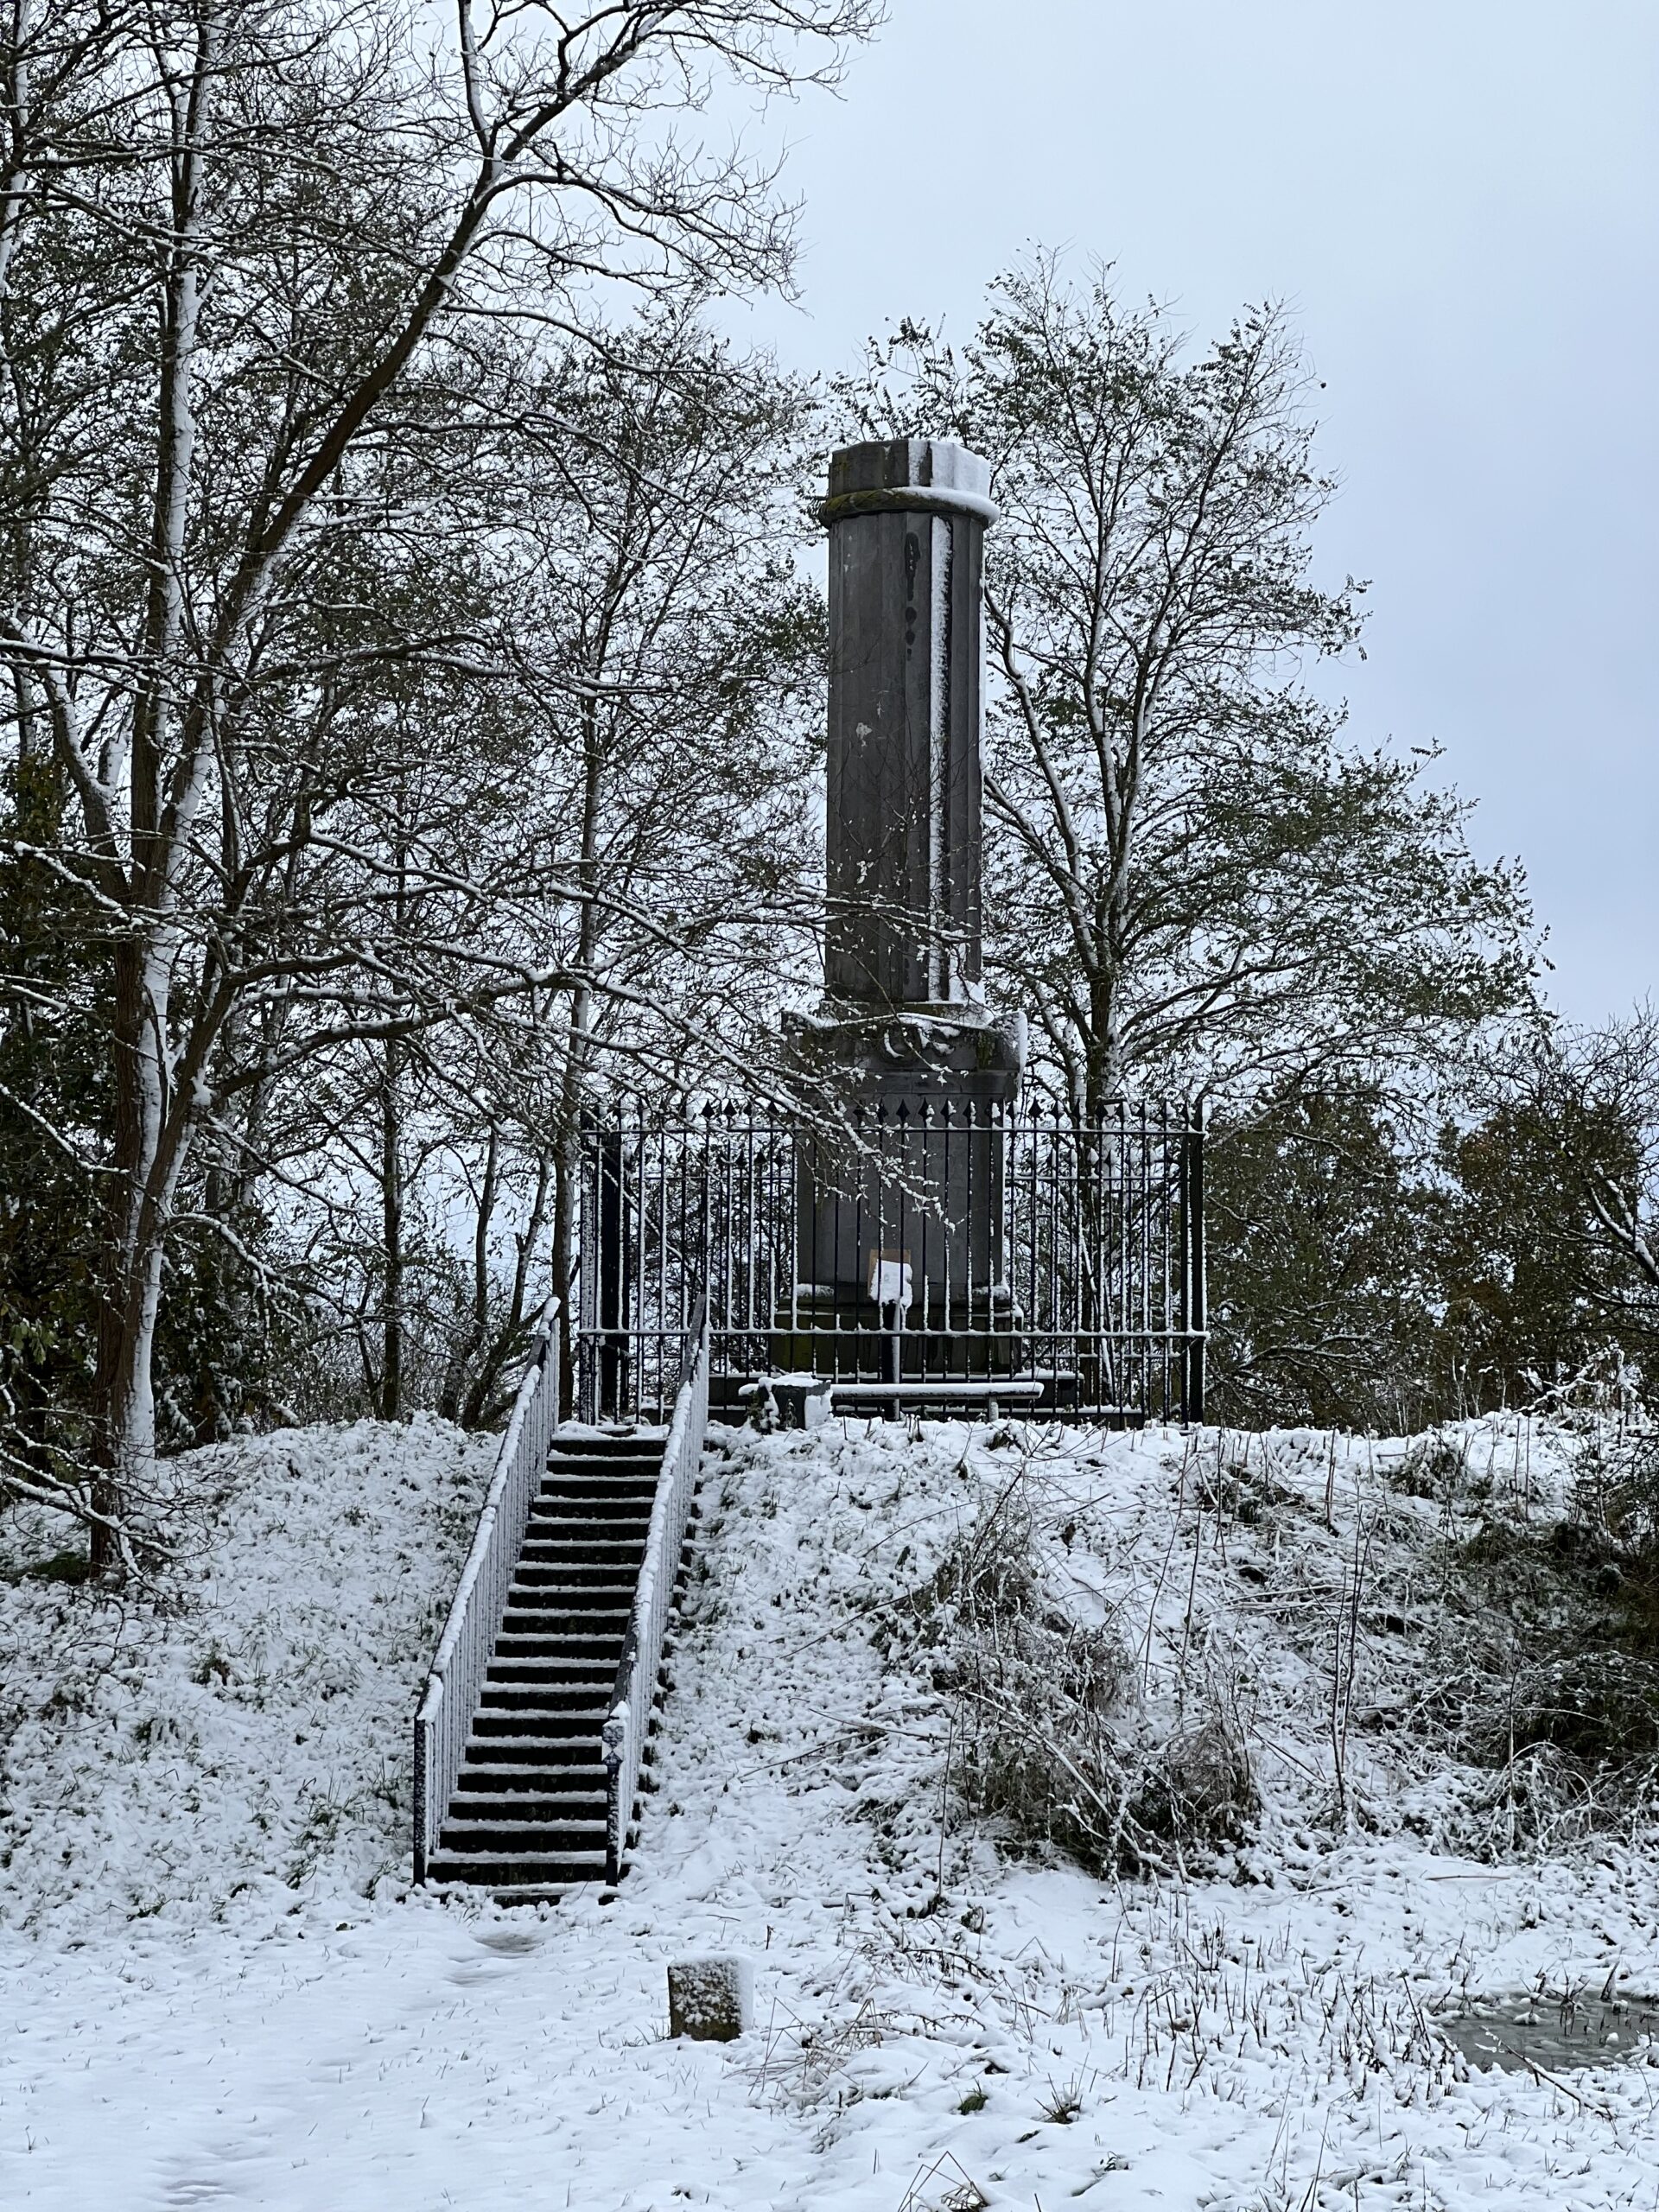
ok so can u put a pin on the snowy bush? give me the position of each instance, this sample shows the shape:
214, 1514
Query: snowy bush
1048, 1724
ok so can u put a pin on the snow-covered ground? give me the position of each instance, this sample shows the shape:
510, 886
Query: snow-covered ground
217, 1991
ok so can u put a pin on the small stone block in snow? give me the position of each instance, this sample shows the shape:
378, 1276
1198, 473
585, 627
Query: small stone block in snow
710, 1999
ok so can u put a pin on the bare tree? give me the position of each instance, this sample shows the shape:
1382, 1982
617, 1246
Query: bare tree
1194, 878
254, 258
660, 695
673, 666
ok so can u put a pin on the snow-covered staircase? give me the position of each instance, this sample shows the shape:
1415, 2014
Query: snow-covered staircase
527, 1816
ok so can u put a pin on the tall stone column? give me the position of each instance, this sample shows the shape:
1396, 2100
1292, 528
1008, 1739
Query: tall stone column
906, 524
903, 1039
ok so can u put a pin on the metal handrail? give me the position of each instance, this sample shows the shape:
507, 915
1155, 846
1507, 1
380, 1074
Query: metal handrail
456, 1678
629, 1721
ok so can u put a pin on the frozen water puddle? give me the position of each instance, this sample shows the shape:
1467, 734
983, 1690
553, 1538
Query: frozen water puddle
1554, 2030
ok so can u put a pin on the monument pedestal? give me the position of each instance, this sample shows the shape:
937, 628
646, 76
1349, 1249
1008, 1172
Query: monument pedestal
901, 1197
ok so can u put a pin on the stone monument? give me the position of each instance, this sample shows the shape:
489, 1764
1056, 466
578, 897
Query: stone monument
900, 1224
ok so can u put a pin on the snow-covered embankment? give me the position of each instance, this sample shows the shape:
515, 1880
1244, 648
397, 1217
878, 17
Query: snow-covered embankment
949, 2014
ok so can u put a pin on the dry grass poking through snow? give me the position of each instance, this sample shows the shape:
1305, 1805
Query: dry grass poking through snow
1152, 1657
1174, 1769
1048, 1727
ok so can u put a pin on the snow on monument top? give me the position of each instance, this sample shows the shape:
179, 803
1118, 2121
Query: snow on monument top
917, 474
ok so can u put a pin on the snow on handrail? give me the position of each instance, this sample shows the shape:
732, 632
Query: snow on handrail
456, 1675
629, 1719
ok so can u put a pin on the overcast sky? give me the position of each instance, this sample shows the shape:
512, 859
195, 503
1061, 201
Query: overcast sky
1458, 201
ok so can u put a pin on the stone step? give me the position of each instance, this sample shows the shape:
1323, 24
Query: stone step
593, 1698
523, 1728
591, 1546
534, 1573
513, 1749
592, 1515
533, 1635
591, 1563
570, 1491
556, 1617
559, 1832
602, 1448
600, 1597
593, 1665
614, 1520
507, 1871
633, 1549
538, 1613
600, 1642
641, 1466
547, 1666
640, 1476
582, 1633
575, 1482
598, 1540
570, 1783
599, 1472
619, 1467
581, 1822
546, 1584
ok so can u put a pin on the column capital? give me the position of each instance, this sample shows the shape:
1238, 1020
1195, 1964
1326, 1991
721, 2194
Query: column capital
907, 476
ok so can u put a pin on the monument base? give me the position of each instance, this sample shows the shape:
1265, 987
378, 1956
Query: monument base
900, 1174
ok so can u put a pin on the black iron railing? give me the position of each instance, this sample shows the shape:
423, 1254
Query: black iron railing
936, 1253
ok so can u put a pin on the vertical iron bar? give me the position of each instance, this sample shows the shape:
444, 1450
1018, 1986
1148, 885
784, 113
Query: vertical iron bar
1180, 1175
1199, 1322
611, 1271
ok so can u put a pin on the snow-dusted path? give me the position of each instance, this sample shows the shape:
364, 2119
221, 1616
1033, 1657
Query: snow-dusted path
419, 2061
424, 2059
425, 2062
1246, 2044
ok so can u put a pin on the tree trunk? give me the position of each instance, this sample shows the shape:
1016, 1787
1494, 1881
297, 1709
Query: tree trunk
488, 1380
391, 1221
124, 1407
458, 1393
